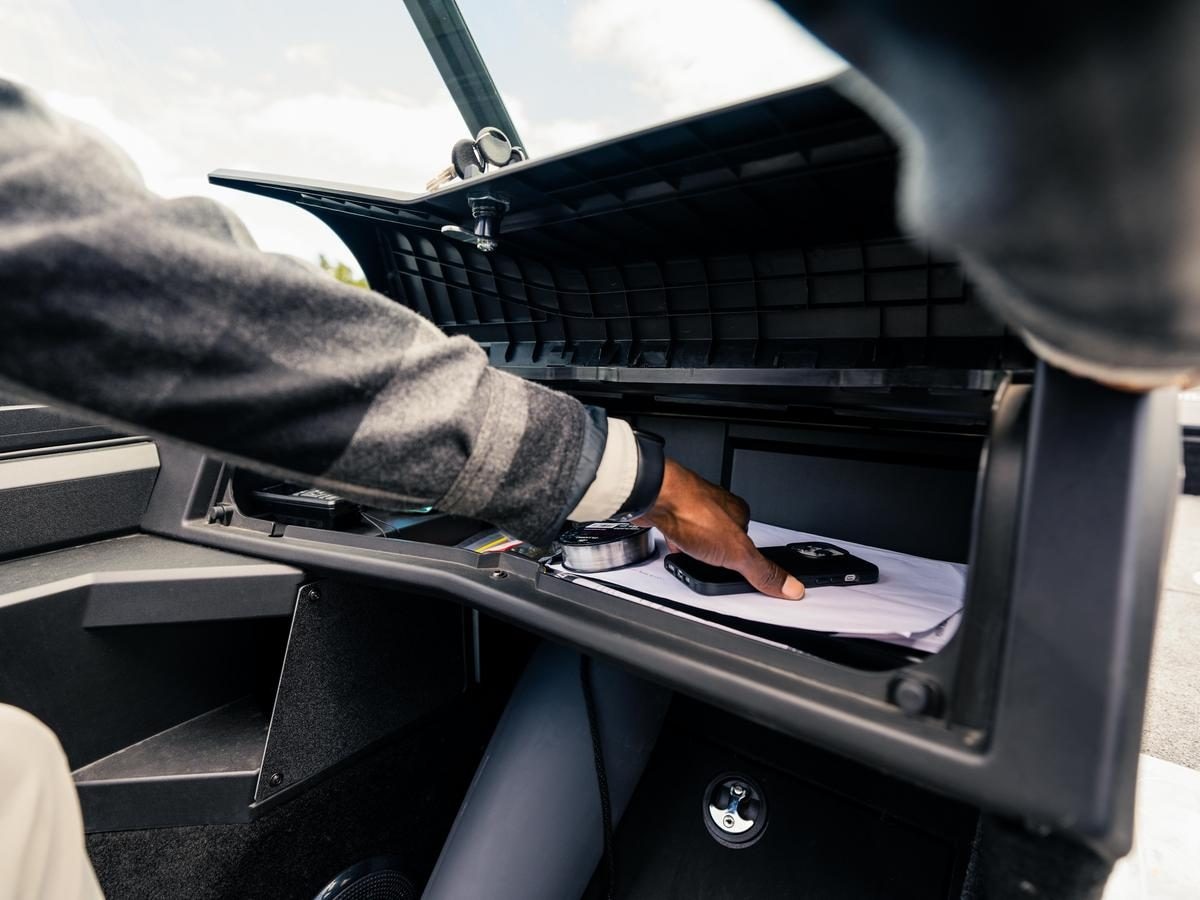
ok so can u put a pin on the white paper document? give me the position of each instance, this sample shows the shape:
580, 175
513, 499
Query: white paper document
928, 641
913, 597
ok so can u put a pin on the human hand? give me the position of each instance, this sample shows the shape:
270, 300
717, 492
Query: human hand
709, 523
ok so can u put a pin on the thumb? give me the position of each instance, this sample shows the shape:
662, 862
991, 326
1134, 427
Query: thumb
765, 576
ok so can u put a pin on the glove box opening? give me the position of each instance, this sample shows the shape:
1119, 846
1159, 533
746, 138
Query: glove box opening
888, 469
739, 281
884, 473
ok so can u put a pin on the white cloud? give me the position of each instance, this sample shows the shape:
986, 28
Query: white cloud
159, 167
381, 142
550, 136
276, 227
311, 54
562, 134
690, 56
279, 227
200, 56
200, 104
396, 144
44, 38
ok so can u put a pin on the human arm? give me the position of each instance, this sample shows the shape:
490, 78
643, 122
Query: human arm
160, 316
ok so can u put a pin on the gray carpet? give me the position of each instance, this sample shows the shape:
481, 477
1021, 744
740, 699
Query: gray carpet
1172, 729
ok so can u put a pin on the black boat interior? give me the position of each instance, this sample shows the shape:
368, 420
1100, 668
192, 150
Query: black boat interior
252, 703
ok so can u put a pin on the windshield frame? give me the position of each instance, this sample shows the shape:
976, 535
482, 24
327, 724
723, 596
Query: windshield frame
446, 36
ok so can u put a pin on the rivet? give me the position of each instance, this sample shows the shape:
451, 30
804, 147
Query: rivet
912, 695
220, 514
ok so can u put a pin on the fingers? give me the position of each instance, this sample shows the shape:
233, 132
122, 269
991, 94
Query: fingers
709, 523
765, 576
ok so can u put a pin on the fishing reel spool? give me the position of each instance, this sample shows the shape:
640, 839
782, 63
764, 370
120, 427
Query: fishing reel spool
602, 546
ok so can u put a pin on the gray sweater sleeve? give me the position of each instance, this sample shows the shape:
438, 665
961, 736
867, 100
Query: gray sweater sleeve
160, 316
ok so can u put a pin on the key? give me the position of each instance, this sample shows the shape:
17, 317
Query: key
441, 179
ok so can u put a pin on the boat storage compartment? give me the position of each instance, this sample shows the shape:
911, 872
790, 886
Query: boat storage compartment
737, 282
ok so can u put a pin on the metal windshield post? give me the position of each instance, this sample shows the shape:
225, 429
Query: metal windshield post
444, 31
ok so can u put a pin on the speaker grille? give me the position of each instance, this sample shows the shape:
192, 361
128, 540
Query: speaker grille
372, 879
379, 886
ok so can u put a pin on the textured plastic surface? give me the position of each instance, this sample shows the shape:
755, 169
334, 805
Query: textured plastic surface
143, 580
102, 690
73, 508
200, 772
360, 663
760, 236
24, 426
1032, 725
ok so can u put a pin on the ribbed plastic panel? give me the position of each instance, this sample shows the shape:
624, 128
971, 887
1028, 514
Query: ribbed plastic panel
869, 303
759, 236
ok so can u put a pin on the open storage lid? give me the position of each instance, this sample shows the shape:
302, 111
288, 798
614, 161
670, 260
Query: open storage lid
756, 247
757, 237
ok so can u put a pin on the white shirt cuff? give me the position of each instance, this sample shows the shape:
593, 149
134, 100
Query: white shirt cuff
615, 476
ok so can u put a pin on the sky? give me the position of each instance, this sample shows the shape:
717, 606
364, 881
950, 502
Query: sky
348, 93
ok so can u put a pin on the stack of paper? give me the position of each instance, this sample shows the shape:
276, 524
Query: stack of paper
915, 603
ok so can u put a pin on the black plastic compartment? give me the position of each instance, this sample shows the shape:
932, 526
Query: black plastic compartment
160, 664
737, 282
758, 237
1023, 726
826, 818
903, 484
743, 269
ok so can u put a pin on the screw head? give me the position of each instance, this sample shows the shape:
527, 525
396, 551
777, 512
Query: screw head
913, 696
220, 514
276, 779
728, 821
498, 574
738, 790
314, 594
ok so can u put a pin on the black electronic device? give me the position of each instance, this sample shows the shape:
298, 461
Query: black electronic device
814, 563
294, 504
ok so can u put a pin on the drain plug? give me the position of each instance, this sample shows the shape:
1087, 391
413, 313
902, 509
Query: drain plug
735, 810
